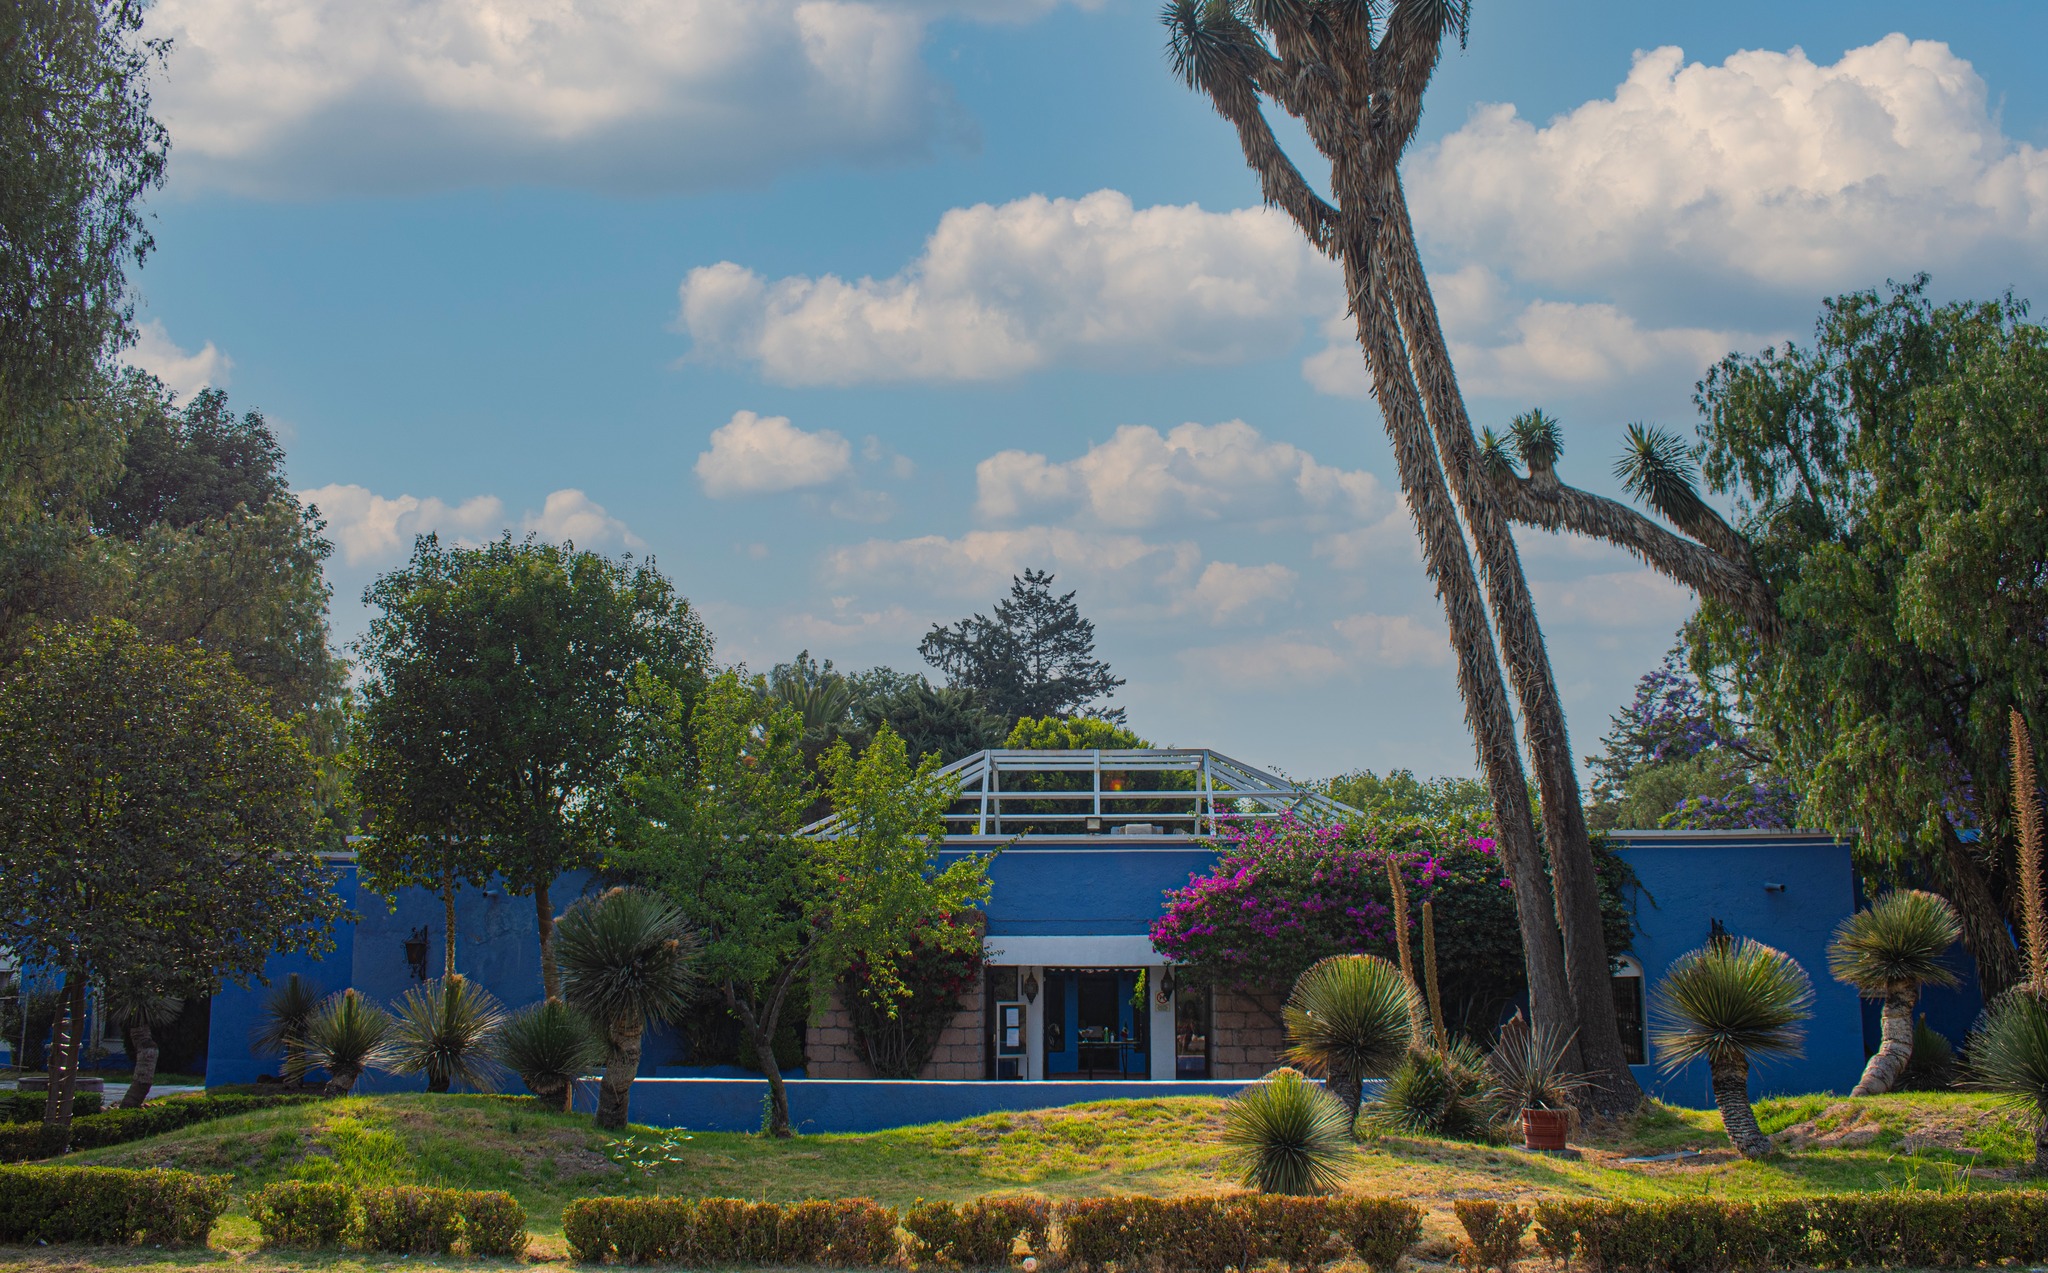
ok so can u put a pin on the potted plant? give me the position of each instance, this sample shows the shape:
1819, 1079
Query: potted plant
1528, 1082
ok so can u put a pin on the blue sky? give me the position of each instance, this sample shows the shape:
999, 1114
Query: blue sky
845, 311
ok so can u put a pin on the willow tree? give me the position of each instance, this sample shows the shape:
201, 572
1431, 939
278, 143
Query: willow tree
1353, 72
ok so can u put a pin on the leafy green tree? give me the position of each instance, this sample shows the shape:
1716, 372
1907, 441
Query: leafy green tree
946, 721
1071, 733
78, 151
523, 654
1888, 952
1671, 760
1400, 794
711, 819
158, 827
1729, 1003
1035, 657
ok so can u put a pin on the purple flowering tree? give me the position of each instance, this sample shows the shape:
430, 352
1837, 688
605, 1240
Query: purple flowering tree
1670, 762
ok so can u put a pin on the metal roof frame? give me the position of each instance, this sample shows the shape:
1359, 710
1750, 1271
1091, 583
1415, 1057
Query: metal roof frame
1217, 787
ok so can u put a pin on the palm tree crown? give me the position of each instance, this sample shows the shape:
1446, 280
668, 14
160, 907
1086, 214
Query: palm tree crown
1900, 940
447, 1030
1349, 1016
1729, 1002
627, 954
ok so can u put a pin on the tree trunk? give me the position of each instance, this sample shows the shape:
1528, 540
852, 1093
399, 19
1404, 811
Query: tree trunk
621, 1063
1574, 880
2041, 1144
448, 924
341, 1082
1985, 934
1479, 677
146, 1052
1885, 1069
56, 1138
1350, 1089
1731, 1095
762, 1032
544, 915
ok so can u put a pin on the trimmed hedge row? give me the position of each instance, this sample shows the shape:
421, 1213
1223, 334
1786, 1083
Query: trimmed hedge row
1889, 1230
1193, 1235
403, 1219
27, 1107
109, 1206
20, 1143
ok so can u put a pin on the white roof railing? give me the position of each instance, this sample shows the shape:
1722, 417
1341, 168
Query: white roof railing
1158, 791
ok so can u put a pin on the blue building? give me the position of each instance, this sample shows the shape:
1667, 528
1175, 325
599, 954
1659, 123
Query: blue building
1074, 996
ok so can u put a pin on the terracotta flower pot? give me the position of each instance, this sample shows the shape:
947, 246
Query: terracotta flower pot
1546, 1128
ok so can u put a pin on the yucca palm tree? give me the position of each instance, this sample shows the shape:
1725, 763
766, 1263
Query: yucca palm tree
1287, 1135
549, 1046
1354, 75
448, 1030
282, 1025
346, 1036
628, 958
1888, 952
144, 1011
1349, 1018
1727, 1003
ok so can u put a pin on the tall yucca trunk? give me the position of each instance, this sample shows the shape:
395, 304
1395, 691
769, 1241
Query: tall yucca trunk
1479, 677
1896, 1049
1731, 1096
146, 1054
1574, 877
615, 1089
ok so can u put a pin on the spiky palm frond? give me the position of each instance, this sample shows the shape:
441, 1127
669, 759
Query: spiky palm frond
141, 1005
626, 954
2007, 1054
286, 1010
1496, 459
447, 1030
1899, 940
1287, 1135
1731, 1001
1657, 469
347, 1035
1208, 45
1350, 1016
549, 1046
1435, 1094
1526, 1068
1539, 440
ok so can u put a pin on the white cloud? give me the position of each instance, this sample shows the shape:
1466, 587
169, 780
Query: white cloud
185, 373
1768, 166
1390, 538
1363, 644
570, 516
1123, 568
999, 291
1194, 472
1398, 640
1225, 590
1615, 599
321, 96
371, 528
756, 455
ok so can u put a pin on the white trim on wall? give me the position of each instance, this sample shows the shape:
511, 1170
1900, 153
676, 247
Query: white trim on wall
1116, 951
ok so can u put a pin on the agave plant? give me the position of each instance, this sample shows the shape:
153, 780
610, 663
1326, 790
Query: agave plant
1435, 1093
346, 1036
1727, 1003
282, 1026
1525, 1069
2008, 1056
144, 1011
447, 1030
627, 958
1888, 952
1287, 1135
1349, 1018
549, 1046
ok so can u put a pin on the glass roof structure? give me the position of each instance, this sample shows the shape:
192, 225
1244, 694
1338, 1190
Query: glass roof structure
1173, 792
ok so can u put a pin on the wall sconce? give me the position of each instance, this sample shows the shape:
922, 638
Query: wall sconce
416, 953
1030, 987
1717, 932
1165, 994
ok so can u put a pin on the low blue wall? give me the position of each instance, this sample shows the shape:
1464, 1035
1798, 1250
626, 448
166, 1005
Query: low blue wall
868, 1105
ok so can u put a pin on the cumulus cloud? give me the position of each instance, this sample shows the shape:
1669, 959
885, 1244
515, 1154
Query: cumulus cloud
1349, 648
325, 96
753, 454
1397, 640
1193, 472
980, 563
1769, 167
1225, 590
999, 291
1615, 599
370, 529
185, 373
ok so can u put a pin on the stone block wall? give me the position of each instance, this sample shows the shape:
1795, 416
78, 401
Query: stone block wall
1246, 1037
831, 1052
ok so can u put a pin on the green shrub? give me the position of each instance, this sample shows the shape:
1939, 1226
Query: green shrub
27, 1107
980, 1234
735, 1231
1379, 1230
119, 1126
408, 1220
835, 1233
1202, 1235
1287, 1135
838, 1233
108, 1206
1435, 1093
1493, 1233
304, 1214
1100, 1232
630, 1230
1298, 1232
493, 1223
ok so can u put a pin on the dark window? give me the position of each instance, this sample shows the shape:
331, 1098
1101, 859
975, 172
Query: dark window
1191, 1032
1628, 1014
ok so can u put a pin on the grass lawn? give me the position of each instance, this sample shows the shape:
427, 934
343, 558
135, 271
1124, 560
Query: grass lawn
1166, 1146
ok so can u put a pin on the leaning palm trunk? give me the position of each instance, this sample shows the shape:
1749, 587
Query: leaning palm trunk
146, 1053
621, 1063
1896, 1049
1575, 879
1731, 1097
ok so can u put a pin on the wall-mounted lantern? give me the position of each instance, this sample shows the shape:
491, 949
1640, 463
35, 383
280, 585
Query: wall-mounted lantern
1165, 994
1717, 933
416, 953
1031, 986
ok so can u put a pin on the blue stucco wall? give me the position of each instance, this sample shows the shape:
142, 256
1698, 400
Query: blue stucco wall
1101, 886
1690, 879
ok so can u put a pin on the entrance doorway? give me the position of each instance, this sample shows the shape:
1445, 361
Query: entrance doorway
1096, 1024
